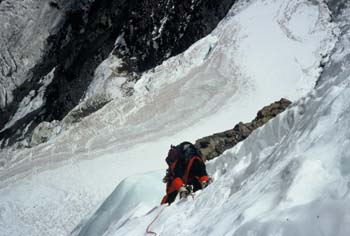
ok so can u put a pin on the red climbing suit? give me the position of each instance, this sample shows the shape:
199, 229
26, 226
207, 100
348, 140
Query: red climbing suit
182, 172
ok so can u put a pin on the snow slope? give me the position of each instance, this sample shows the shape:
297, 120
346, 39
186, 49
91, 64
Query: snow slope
290, 177
298, 183
260, 52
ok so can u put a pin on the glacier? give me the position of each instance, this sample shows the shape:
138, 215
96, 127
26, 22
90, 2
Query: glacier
290, 177
261, 51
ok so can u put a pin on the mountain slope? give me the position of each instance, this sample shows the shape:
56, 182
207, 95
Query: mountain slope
50, 50
259, 53
290, 177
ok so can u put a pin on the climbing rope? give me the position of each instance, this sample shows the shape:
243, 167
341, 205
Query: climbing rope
148, 230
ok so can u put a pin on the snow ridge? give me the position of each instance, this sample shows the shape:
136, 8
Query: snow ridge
230, 74
290, 177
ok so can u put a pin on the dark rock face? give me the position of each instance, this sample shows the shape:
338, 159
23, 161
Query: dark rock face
78, 44
147, 33
214, 145
340, 15
91, 29
156, 30
337, 7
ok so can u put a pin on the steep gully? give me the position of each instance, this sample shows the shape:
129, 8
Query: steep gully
147, 33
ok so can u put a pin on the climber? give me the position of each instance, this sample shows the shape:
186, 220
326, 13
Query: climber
186, 172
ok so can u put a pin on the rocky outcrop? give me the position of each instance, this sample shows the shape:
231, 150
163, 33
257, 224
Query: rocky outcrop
157, 30
44, 131
214, 145
70, 38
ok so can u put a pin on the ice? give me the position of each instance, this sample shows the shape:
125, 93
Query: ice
247, 62
107, 80
134, 196
290, 177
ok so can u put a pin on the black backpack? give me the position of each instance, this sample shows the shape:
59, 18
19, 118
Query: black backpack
174, 154
184, 150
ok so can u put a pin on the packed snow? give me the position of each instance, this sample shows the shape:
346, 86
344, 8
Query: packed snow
260, 52
290, 177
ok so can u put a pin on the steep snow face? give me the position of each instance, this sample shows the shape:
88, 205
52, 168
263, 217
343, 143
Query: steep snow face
290, 177
240, 60
221, 72
133, 197
210, 87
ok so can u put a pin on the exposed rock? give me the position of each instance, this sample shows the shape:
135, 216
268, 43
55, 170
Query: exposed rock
214, 145
76, 36
86, 108
157, 30
44, 131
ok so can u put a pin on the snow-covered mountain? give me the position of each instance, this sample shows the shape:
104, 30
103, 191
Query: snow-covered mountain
50, 50
290, 177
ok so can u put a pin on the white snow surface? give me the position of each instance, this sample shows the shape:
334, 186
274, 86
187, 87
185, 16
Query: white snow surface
290, 177
260, 52
108, 80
